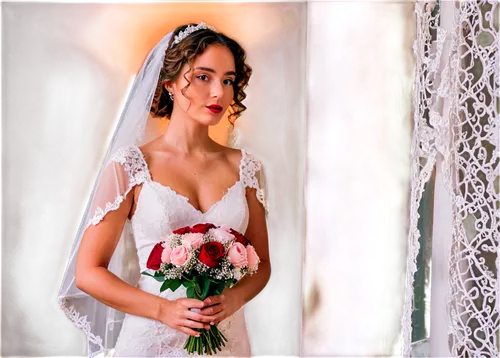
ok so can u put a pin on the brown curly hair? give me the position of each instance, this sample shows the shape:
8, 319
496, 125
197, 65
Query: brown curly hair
186, 51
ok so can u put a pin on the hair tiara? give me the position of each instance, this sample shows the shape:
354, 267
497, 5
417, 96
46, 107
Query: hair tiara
190, 29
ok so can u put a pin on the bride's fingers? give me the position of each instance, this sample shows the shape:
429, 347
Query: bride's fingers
197, 316
209, 311
191, 303
189, 331
193, 324
218, 317
213, 300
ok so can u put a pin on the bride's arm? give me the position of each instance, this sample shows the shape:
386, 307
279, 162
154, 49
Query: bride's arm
232, 299
249, 286
92, 276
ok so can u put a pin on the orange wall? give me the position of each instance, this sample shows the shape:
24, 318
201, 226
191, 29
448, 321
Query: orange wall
66, 71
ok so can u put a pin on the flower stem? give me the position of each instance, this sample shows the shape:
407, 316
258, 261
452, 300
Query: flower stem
209, 342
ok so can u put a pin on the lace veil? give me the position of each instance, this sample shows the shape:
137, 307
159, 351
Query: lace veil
101, 323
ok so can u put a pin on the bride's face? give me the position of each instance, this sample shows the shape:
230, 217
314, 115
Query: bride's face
210, 91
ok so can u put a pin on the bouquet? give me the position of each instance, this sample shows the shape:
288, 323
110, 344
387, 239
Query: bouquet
205, 259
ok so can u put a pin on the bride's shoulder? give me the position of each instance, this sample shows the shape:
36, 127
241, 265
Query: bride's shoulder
241, 157
248, 157
154, 151
231, 155
126, 154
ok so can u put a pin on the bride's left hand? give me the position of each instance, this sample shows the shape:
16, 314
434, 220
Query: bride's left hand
219, 307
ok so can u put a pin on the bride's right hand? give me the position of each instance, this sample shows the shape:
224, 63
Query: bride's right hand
177, 315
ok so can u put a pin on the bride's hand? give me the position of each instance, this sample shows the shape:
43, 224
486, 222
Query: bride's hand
177, 314
219, 307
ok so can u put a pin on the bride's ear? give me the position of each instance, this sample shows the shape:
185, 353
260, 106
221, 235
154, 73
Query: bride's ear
168, 86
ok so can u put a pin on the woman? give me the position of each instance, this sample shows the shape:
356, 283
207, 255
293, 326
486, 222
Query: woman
148, 188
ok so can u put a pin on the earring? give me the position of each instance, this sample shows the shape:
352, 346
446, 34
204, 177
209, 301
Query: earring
171, 96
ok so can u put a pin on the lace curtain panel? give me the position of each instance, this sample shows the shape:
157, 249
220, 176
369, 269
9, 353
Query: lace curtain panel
455, 171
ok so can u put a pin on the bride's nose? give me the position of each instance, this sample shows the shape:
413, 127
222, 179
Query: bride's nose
217, 89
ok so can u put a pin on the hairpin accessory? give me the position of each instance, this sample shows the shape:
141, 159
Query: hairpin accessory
190, 29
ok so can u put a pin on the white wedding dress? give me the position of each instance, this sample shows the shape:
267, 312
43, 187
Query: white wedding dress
159, 211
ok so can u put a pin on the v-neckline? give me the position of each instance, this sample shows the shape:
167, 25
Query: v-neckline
188, 201
185, 198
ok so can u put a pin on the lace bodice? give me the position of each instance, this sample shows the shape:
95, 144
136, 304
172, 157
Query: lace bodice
159, 211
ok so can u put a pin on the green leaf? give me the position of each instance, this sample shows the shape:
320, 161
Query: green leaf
197, 291
175, 284
188, 284
157, 277
170, 284
165, 286
190, 292
219, 288
187, 276
159, 274
216, 287
205, 287
199, 280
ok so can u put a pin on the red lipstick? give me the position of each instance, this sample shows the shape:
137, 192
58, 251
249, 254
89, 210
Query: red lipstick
214, 108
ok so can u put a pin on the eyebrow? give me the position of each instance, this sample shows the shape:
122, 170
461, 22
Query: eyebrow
208, 69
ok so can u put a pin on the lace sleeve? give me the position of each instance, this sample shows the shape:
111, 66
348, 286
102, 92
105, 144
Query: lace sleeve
252, 175
125, 169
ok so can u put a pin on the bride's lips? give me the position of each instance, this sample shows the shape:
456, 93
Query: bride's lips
215, 108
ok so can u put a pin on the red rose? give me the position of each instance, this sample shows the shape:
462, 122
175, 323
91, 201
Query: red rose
182, 230
202, 228
211, 253
154, 259
239, 237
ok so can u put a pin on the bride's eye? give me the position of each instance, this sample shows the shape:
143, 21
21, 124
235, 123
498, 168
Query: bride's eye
229, 82
202, 77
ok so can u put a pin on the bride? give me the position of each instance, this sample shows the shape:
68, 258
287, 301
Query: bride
154, 181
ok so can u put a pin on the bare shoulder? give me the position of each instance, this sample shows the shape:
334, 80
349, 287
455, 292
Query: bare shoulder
231, 155
155, 150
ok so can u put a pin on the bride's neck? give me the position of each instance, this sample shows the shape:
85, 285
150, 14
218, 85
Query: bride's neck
188, 136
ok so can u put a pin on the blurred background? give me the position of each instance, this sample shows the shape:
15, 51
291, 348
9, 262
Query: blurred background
67, 69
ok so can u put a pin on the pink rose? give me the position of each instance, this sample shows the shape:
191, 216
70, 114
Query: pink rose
192, 241
253, 258
165, 255
221, 235
237, 255
179, 256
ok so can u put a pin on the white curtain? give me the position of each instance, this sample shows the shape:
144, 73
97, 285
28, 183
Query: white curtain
360, 70
456, 128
